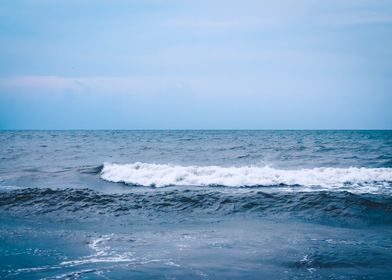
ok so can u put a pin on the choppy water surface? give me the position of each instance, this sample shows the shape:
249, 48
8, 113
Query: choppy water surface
196, 204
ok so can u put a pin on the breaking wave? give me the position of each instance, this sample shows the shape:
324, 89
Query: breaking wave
162, 175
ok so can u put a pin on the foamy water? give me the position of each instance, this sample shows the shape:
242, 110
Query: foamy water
161, 175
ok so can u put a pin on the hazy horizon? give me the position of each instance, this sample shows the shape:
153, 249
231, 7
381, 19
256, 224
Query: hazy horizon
196, 129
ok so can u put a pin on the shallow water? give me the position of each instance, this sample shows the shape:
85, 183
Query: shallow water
196, 204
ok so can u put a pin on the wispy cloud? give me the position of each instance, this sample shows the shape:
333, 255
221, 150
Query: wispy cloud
136, 85
219, 24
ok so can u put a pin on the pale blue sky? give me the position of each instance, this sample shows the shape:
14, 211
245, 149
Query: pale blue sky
163, 64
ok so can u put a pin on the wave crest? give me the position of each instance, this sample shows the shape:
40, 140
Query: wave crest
161, 175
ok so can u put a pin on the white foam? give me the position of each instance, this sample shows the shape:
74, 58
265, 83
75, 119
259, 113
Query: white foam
101, 253
161, 175
114, 259
9, 188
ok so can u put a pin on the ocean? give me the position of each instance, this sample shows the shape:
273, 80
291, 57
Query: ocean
196, 204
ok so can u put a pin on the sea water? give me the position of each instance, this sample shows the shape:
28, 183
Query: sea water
196, 204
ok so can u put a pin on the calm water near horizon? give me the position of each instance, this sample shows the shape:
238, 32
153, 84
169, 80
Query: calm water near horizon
196, 204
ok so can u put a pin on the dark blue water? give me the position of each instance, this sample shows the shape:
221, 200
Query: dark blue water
196, 204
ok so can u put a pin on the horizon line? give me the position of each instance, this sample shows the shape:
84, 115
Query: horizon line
196, 129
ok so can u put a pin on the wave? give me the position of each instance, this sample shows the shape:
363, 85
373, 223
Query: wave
162, 175
85, 204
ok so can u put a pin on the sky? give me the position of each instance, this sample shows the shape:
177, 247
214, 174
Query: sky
175, 64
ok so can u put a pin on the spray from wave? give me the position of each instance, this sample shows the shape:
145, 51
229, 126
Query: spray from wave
161, 175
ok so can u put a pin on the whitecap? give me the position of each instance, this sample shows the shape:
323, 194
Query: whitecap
161, 175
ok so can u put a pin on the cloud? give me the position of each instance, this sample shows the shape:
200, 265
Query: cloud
98, 85
228, 24
355, 17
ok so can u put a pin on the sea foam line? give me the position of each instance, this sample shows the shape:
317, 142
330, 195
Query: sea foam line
161, 175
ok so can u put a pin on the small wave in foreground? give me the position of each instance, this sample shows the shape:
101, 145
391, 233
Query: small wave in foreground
75, 204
